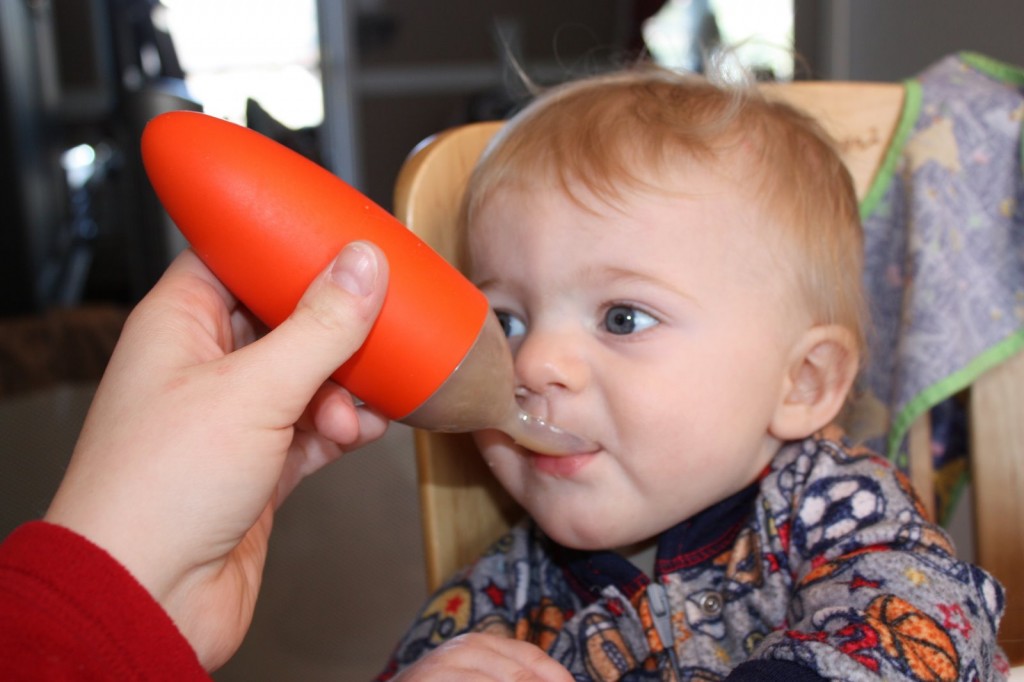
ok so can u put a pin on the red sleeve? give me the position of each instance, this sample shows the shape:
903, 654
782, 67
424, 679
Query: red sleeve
70, 611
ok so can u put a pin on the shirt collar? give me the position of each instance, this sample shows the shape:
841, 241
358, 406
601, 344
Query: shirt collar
685, 545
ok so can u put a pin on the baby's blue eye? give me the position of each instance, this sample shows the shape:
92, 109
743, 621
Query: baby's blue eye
510, 324
624, 319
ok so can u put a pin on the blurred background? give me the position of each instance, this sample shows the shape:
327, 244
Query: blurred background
353, 85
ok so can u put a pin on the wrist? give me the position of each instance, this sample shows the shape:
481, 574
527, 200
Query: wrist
122, 539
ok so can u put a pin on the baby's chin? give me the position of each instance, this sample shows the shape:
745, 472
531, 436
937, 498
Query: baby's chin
586, 538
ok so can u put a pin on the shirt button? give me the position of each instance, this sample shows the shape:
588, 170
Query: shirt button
711, 604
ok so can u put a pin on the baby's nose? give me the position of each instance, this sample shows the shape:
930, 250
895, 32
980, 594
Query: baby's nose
550, 362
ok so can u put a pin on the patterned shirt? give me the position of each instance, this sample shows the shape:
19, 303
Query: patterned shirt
825, 567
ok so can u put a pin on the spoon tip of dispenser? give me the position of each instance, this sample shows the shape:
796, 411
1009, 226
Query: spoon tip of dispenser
545, 438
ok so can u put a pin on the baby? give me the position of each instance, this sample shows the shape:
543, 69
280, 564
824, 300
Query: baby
677, 267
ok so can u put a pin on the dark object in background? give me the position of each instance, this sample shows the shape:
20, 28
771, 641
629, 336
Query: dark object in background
63, 346
305, 141
80, 74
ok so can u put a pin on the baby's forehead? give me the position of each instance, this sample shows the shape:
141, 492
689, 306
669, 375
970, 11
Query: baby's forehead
665, 207
620, 185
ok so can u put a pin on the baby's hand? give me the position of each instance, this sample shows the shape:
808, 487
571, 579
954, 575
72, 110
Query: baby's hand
477, 656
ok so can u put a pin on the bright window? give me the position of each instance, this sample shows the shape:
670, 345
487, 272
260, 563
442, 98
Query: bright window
266, 50
758, 34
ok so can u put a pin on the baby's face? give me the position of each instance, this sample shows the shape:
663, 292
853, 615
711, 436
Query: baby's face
661, 330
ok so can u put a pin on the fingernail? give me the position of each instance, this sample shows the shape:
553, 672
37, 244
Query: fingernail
355, 270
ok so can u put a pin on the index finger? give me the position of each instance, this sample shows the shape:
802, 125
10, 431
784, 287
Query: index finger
189, 264
245, 326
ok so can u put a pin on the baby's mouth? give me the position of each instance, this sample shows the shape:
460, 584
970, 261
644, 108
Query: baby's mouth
563, 466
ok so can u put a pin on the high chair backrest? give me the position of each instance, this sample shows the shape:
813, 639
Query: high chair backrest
464, 509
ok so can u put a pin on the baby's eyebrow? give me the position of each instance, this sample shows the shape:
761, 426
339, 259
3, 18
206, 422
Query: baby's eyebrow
481, 284
626, 275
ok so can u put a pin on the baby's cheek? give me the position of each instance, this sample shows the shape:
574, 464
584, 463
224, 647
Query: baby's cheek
504, 459
485, 437
493, 445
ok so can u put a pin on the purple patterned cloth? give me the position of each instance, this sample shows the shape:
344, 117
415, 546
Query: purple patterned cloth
944, 241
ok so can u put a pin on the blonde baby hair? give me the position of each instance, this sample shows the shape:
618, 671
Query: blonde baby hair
621, 129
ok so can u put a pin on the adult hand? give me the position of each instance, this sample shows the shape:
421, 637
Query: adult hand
479, 656
200, 428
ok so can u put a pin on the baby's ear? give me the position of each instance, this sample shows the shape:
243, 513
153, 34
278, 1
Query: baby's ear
821, 371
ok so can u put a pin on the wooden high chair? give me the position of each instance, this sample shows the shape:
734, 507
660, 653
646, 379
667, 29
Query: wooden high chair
464, 509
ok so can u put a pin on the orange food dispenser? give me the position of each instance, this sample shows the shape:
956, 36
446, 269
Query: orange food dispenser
267, 221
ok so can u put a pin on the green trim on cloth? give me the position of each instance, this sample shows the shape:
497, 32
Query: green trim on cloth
1008, 73
883, 178
948, 387
1002, 71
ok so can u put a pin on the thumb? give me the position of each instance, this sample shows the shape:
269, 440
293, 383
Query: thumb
329, 324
